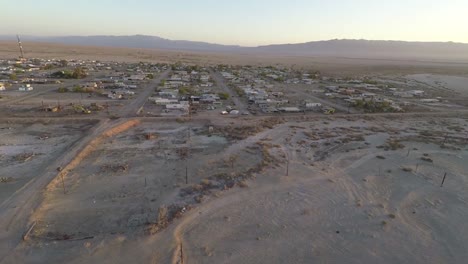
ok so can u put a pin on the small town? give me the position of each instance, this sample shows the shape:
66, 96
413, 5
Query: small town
64, 88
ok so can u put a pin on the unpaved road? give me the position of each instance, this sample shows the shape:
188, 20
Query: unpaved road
221, 82
132, 108
15, 211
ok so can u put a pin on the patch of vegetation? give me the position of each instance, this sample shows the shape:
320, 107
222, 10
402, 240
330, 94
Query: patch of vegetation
79, 89
63, 90
372, 106
407, 169
392, 144
13, 77
188, 91
77, 73
239, 91
427, 159
223, 96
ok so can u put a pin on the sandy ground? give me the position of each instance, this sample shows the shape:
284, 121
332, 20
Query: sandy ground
458, 85
357, 191
26, 149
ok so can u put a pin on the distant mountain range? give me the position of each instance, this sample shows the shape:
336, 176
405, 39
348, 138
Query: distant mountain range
335, 48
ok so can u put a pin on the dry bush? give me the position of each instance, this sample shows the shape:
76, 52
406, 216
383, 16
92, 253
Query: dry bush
427, 159
115, 168
392, 144
407, 169
150, 136
243, 184
24, 157
6, 179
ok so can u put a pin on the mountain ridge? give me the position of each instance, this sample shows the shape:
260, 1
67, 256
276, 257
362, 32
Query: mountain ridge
334, 47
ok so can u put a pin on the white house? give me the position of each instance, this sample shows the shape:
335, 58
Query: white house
180, 107
137, 77
312, 105
2, 87
290, 109
163, 101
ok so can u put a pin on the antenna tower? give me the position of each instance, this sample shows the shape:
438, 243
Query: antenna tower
20, 47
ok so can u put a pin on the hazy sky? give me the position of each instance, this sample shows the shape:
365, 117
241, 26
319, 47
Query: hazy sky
243, 22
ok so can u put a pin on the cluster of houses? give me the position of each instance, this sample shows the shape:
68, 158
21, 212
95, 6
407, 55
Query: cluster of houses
352, 94
181, 78
185, 91
119, 81
306, 78
255, 85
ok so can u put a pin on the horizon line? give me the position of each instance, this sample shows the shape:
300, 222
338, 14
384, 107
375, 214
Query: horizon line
236, 45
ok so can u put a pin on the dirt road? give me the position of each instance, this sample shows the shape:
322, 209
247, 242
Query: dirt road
132, 108
221, 82
15, 211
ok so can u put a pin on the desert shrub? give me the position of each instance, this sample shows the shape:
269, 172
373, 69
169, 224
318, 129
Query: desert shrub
223, 96
63, 90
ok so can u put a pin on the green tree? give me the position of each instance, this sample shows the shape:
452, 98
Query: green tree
223, 96
63, 63
13, 77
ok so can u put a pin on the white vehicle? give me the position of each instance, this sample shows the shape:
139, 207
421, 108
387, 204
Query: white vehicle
26, 88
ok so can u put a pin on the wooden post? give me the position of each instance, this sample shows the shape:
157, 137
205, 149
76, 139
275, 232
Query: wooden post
407, 155
63, 183
417, 166
181, 253
28, 232
186, 174
442, 184
145, 181
287, 168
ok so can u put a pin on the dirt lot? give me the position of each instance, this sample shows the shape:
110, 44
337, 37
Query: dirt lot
355, 190
27, 149
122, 184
